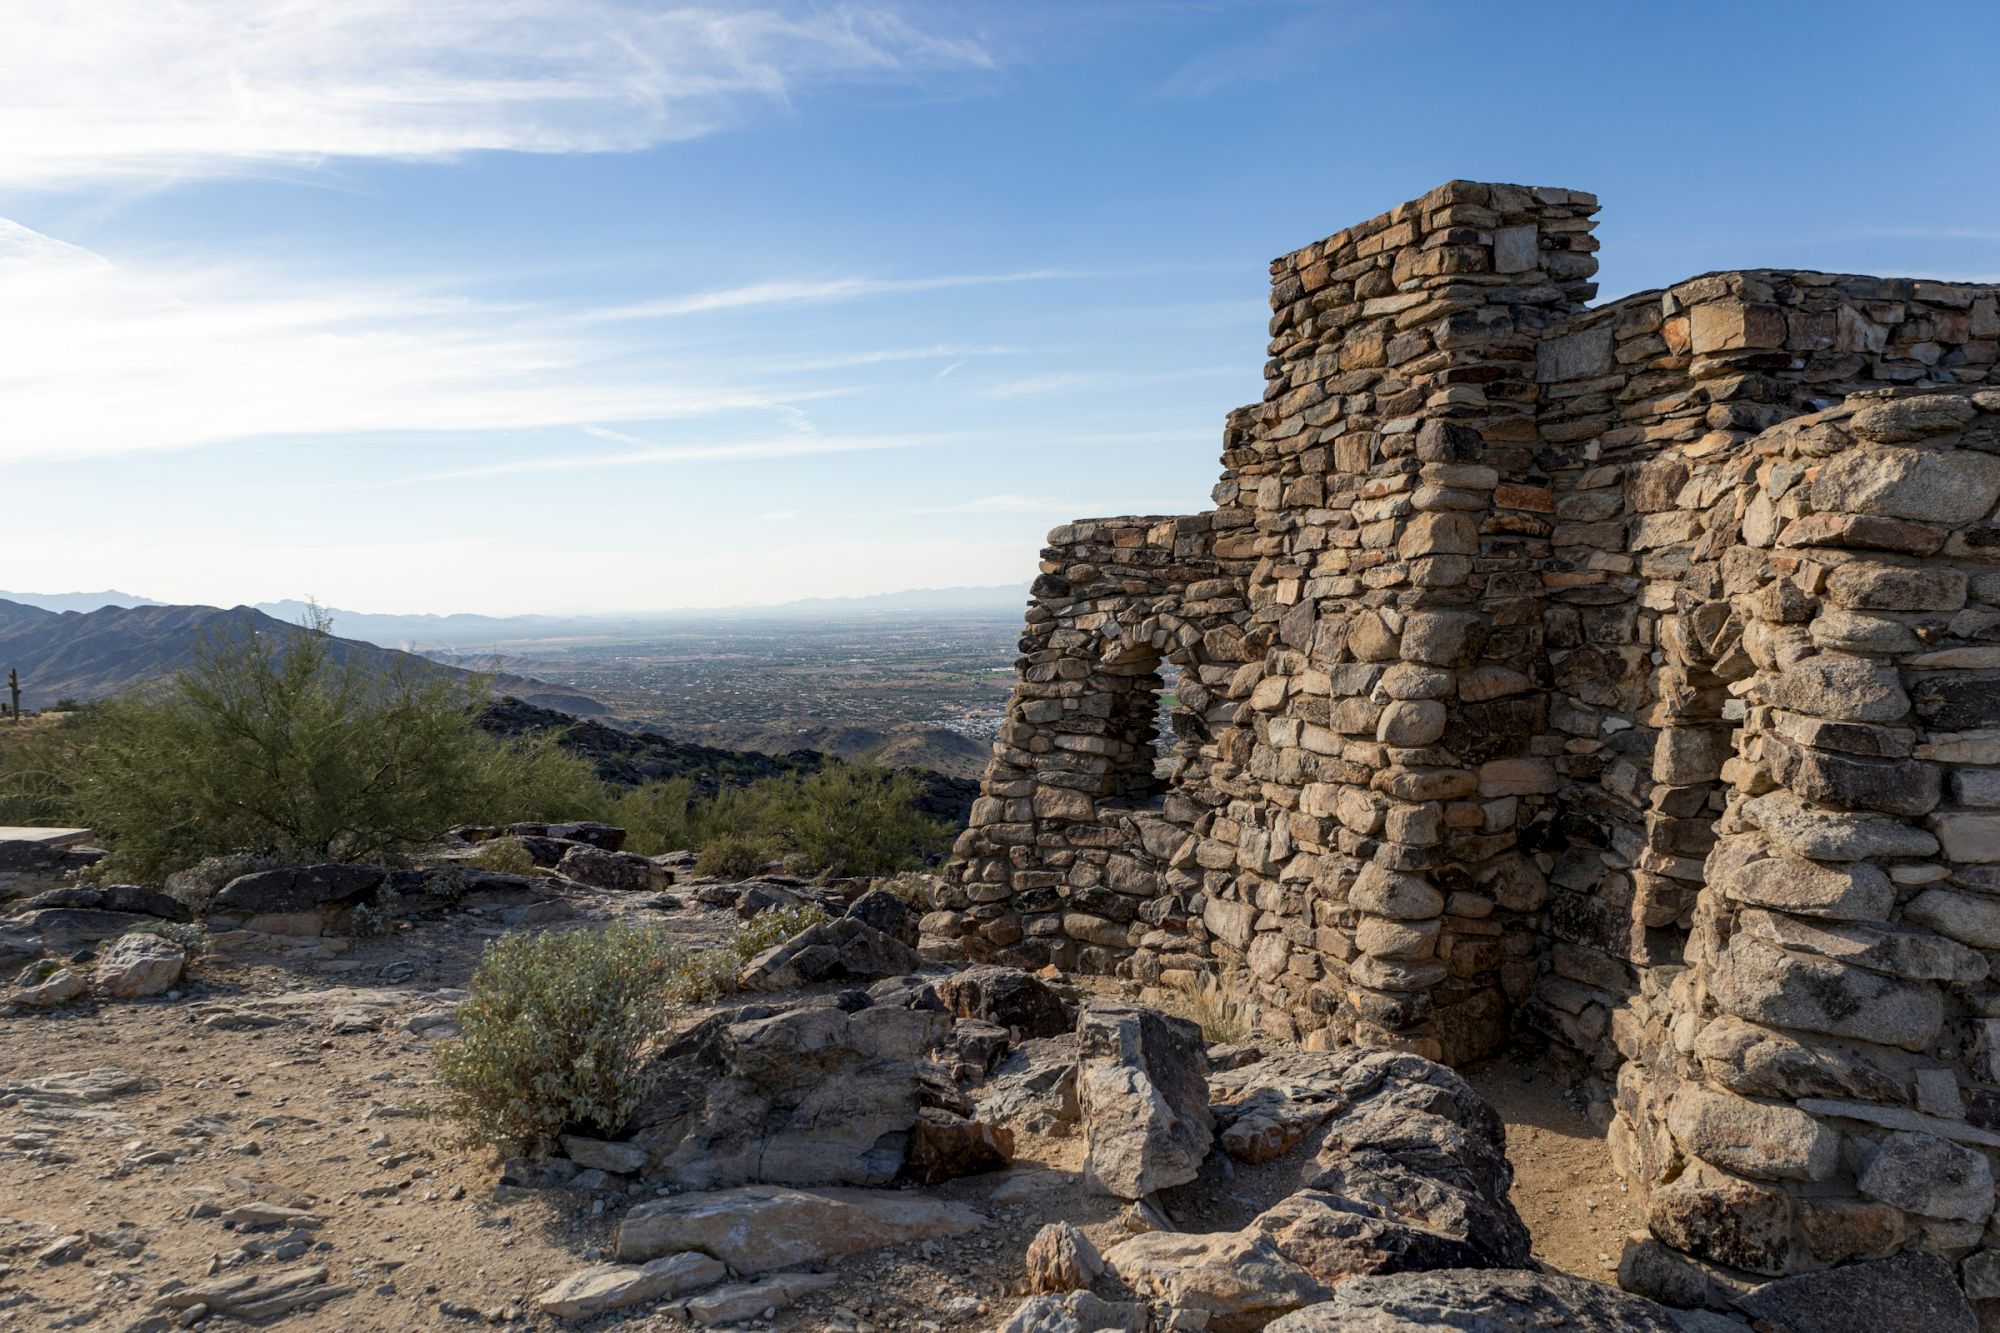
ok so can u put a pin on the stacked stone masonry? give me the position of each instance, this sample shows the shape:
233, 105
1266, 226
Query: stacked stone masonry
1624, 678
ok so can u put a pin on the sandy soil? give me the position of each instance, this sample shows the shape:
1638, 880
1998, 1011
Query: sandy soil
300, 1078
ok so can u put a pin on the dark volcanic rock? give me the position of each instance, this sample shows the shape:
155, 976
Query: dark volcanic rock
817, 1093
299, 888
1479, 1301
1006, 996
887, 913
1911, 1290
944, 1147
114, 898
841, 950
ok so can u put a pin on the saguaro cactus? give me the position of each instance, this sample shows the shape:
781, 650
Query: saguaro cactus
14, 689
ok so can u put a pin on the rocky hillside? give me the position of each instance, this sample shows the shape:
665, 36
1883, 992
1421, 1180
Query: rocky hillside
632, 757
91, 655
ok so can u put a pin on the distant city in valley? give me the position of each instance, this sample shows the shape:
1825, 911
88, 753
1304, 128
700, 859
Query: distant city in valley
914, 679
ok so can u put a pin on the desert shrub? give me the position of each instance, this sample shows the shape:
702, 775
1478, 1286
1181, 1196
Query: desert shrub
850, 819
1219, 1014
190, 935
713, 972
289, 744
733, 856
918, 891
503, 856
558, 1030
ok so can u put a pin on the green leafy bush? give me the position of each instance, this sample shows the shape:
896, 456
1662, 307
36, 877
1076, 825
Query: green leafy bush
558, 1030
850, 819
502, 856
290, 744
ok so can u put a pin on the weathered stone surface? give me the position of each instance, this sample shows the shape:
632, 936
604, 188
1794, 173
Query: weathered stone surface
1913, 954
1768, 985
1758, 1062
1800, 830
1143, 1091
1060, 1258
1935, 486
1835, 685
1239, 1278
47, 989
1910, 1291
763, 1227
592, 1291
624, 872
1078, 1312
1840, 892
1762, 1140
138, 965
844, 949
1971, 918
887, 913
617, 1158
132, 898
1725, 1220
298, 889
1931, 1177
1006, 996
1479, 1301
944, 1147
807, 1094
258, 1294
1034, 1086
740, 1301
1391, 894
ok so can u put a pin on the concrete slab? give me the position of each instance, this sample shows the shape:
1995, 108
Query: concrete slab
48, 837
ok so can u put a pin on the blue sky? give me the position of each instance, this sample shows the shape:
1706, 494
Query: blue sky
540, 305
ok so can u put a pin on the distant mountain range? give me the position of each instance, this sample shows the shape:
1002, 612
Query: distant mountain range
86, 655
465, 630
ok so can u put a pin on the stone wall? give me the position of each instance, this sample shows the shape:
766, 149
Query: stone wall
1501, 636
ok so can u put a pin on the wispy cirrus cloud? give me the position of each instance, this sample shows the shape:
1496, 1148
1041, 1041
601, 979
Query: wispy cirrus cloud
101, 358
791, 293
96, 90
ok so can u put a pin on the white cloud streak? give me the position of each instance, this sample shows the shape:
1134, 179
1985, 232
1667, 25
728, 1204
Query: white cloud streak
105, 90
97, 358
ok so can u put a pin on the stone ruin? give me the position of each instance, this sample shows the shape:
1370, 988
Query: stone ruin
1621, 678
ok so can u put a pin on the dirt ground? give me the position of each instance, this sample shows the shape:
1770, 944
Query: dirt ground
299, 1078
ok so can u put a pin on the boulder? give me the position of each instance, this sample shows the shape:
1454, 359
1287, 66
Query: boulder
591, 1292
298, 890
944, 1146
817, 1093
40, 989
1034, 1086
1912, 1290
1078, 1312
763, 1227
1142, 1089
755, 896
844, 949
1060, 1258
1478, 1301
623, 872
742, 1301
133, 898
140, 964
887, 913
1239, 1279
69, 930
617, 1158
1006, 996
606, 837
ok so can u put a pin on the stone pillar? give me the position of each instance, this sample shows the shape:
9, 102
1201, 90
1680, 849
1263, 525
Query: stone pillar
1836, 1096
